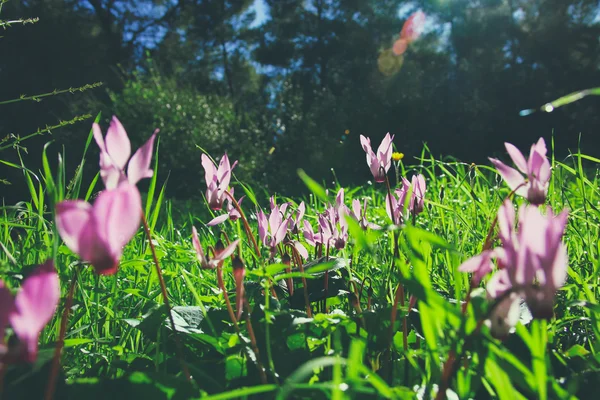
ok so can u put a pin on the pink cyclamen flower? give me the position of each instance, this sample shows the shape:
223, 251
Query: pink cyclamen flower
232, 212
378, 163
360, 214
536, 169
217, 180
296, 219
98, 233
29, 311
546, 256
272, 230
410, 198
533, 260
218, 258
115, 150
417, 196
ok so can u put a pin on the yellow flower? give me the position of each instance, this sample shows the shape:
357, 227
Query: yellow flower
397, 156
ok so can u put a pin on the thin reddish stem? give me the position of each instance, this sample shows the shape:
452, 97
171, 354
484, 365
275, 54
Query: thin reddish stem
245, 222
165, 296
221, 284
51, 385
252, 336
298, 262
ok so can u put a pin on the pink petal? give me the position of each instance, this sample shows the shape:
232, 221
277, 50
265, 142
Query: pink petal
117, 143
339, 198
384, 148
139, 165
210, 171
97, 251
263, 227
480, 266
224, 173
309, 234
356, 209
218, 220
506, 222
118, 214
227, 252
539, 147
197, 246
71, 217
98, 137
279, 235
111, 175
498, 284
35, 305
391, 207
301, 249
512, 177
517, 157
275, 220
301, 211
558, 269
366, 144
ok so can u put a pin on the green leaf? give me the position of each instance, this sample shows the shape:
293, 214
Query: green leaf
313, 186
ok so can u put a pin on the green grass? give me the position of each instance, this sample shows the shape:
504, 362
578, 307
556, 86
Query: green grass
119, 341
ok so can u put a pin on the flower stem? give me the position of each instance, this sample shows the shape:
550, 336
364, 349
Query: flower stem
245, 222
221, 284
165, 296
298, 262
261, 369
268, 337
51, 385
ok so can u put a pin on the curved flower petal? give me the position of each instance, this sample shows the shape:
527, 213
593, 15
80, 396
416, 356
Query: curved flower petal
512, 177
210, 171
197, 246
118, 214
117, 143
263, 227
34, 306
139, 165
218, 220
517, 157
71, 217
480, 266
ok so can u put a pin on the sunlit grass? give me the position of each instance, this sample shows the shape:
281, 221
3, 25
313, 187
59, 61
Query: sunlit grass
117, 325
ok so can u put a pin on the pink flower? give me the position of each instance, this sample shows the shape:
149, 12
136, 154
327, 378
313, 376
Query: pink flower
536, 169
533, 260
295, 219
545, 262
378, 163
98, 233
399, 205
232, 212
272, 230
115, 150
217, 180
205, 262
360, 214
29, 311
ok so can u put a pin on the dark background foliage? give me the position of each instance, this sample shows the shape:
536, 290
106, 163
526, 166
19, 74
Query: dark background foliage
295, 84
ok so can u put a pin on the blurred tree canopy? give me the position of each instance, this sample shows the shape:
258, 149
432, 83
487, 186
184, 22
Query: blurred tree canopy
287, 84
